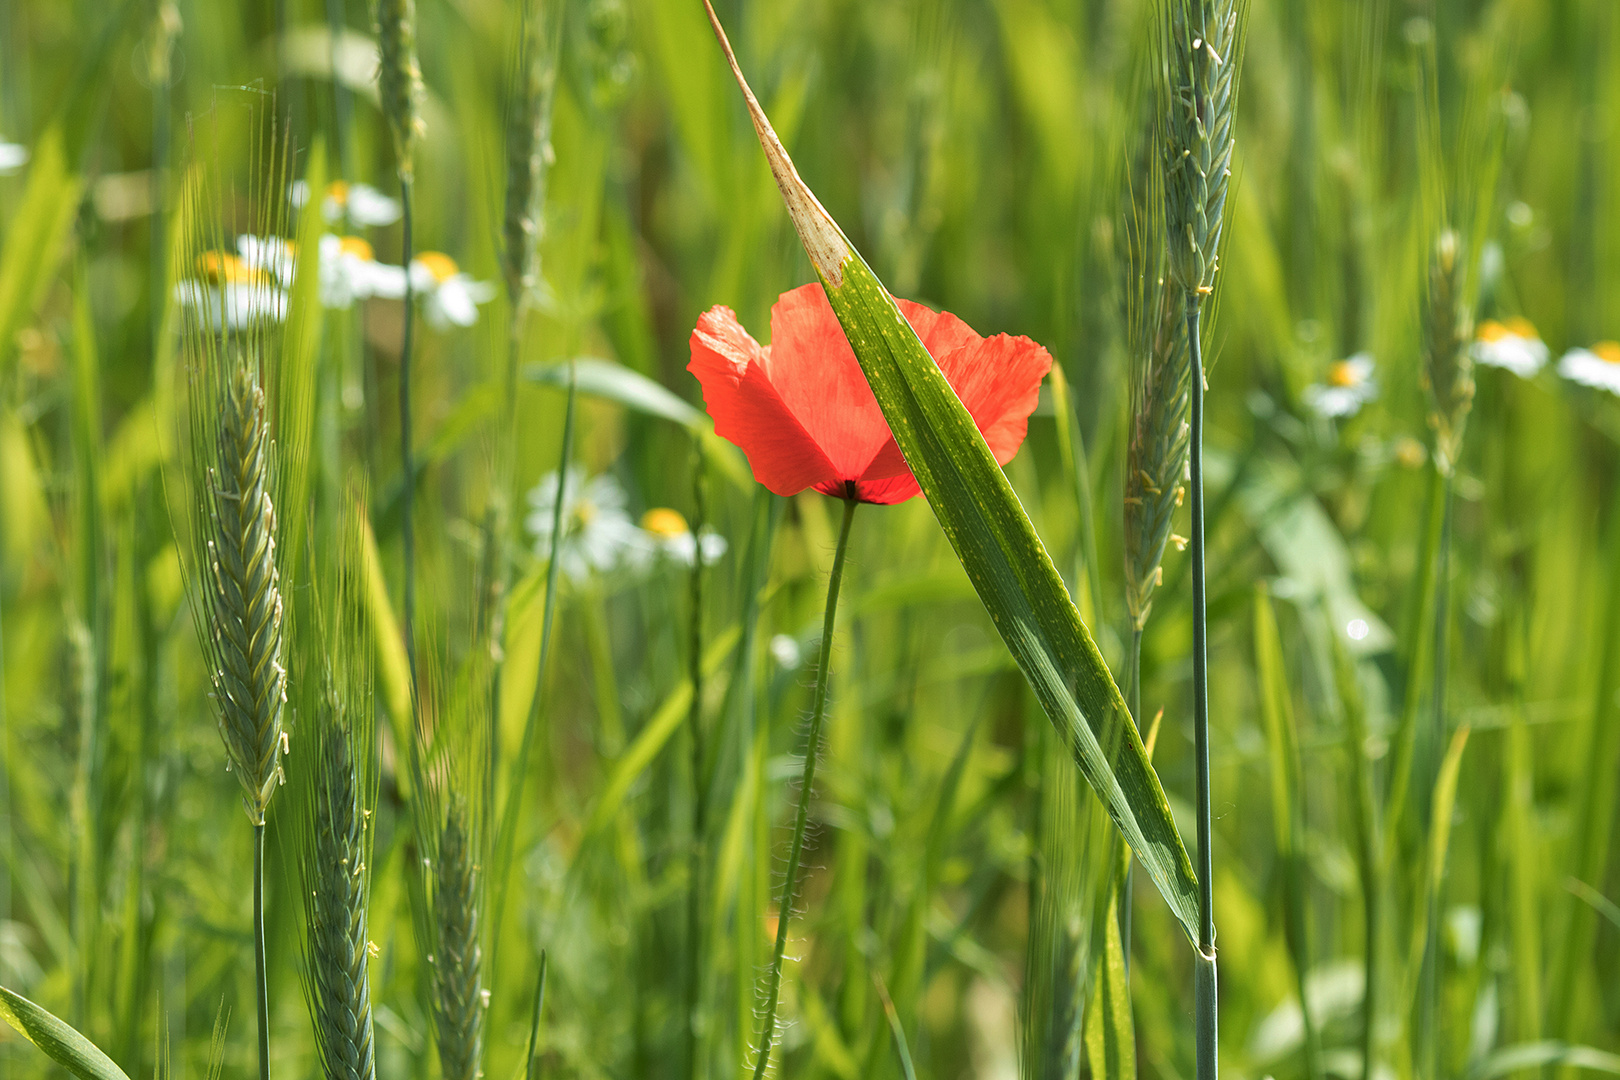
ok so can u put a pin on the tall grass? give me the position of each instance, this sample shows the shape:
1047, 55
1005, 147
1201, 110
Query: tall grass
976, 153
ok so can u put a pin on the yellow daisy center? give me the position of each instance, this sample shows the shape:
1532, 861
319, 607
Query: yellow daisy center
1523, 327
338, 192
1491, 330
1343, 373
353, 245
440, 265
662, 521
223, 268
1608, 351
585, 512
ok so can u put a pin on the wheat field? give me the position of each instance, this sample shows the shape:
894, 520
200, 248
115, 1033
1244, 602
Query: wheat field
352, 473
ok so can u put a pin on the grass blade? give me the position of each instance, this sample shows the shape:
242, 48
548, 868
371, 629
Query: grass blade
63, 1045
993, 537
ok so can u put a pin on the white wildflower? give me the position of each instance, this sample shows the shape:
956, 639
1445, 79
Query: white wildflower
1349, 386
1598, 366
230, 294
598, 536
1512, 344
670, 537
360, 204
12, 157
449, 297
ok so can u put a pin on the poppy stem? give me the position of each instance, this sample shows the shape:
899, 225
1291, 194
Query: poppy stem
1204, 983
790, 882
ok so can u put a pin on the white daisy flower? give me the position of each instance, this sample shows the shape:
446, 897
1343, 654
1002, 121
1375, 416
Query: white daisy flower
671, 537
231, 294
274, 255
1512, 344
1597, 366
449, 297
12, 157
360, 204
1349, 386
350, 272
598, 536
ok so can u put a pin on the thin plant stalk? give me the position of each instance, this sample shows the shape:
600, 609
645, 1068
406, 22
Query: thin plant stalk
406, 455
700, 799
1205, 975
790, 882
506, 838
1429, 1015
261, 983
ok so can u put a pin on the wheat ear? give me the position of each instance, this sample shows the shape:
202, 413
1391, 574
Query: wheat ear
1448, 367
1156, 460
458, 995
399, 80
244, 593
336, 891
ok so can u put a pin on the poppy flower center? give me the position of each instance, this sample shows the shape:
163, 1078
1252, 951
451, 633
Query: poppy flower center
664, 522
440, 265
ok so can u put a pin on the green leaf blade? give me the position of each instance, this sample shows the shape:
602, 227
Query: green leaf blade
61, 1043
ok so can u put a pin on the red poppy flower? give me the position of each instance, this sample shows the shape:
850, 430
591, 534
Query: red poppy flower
801, 410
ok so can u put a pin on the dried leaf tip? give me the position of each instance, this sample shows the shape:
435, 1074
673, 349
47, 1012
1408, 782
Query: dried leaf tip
823, 241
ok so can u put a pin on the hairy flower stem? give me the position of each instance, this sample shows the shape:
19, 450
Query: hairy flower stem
261, 984
406, 457
1204, 981
790, 882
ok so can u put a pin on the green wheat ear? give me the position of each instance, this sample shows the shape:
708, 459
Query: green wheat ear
1448, 367
458, 995
528, 146
1203, 43
399, 79
243, 592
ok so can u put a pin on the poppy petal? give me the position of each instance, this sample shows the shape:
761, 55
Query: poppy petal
820, 382
895, 489
747, 410
999, 380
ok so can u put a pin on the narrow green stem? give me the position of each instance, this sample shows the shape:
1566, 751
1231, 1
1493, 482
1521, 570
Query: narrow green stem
1204, 982
1429, 1014
406, 456
790, 882
700, 802
261, 983
532, 1069
506, 839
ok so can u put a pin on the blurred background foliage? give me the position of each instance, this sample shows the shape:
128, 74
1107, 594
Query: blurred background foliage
980, 153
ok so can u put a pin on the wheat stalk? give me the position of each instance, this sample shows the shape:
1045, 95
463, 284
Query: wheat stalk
528, 148
1203, 42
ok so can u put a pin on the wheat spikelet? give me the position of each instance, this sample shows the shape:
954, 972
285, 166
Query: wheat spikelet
1203, 43
528, 137
336, 887
399, 80
458, 1005
1448, 365
243, 592
1156, 460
